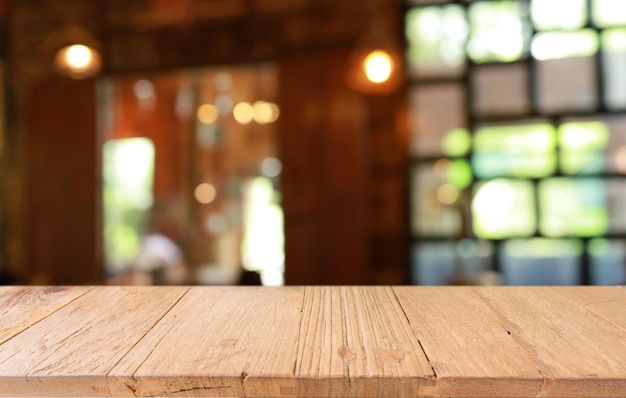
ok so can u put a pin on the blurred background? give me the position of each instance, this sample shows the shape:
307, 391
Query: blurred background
313, 142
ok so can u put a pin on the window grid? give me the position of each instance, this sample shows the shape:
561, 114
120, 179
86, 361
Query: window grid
474, 120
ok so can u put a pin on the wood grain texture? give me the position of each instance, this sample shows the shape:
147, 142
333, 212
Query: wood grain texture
353, 337
580, 354
70, 352
469, 347
315, 341
609, 303
20, 308
220, 341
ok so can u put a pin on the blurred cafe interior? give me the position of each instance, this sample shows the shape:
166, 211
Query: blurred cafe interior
290, 142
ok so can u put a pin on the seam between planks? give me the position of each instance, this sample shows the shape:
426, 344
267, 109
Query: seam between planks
527, 348
345, 337
591, 311
91, 288
302, 307
156, 322
411, 332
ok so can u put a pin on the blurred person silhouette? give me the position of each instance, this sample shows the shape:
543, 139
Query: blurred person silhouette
159, 255
250, 278
6, 277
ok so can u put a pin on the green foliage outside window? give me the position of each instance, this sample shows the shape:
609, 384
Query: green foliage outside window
582, 147
573, 207
128, 169
436, 36
515, 151
497, 31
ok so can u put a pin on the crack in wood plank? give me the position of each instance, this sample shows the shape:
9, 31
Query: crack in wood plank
156, 322
295, 360
87, 290
345, 335
432, 367
409, 332
589, 306
508, 325
243, 378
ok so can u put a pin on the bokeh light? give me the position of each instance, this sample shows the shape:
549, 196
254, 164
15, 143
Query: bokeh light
378, 66
447, 194
243, 112
78, 61
207, 114
144, 89
205, 193
271, 167
262, 112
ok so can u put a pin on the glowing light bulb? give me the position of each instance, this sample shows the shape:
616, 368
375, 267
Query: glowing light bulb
78, 61
378, 66
78, 56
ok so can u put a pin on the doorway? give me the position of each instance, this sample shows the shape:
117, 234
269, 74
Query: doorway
190, 156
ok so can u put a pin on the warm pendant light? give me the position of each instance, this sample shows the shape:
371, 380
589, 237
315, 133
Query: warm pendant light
73, 51
78, 61
375, 66
375, 70
378, 66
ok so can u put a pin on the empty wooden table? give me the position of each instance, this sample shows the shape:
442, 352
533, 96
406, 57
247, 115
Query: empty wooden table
316, 341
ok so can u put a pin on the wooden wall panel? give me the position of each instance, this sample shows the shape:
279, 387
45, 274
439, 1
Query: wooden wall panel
60, 183
324, 182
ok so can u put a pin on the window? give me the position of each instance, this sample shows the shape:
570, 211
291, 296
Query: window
191, 172
518, 140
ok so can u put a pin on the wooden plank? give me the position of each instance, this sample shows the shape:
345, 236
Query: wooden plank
313, 341
353, 338
607, 302
469, 347
220, 341
21, 306
70, 352
580, 353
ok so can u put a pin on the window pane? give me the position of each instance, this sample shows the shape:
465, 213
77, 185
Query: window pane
559, 45
435, 111
616, 149
613, 155
459, 173
614, 57
541, 262
607, 262
433, 263
566, 85
558, 14
417, 2
128, 170
500, 89
573, 207
436, 39
433, 200
444, 263
566, 70
503, 208
497, 31
582, 147
609, 12
457, 142
519, 151
617, 205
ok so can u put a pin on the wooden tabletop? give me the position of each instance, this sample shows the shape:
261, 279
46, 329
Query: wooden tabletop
313, 341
